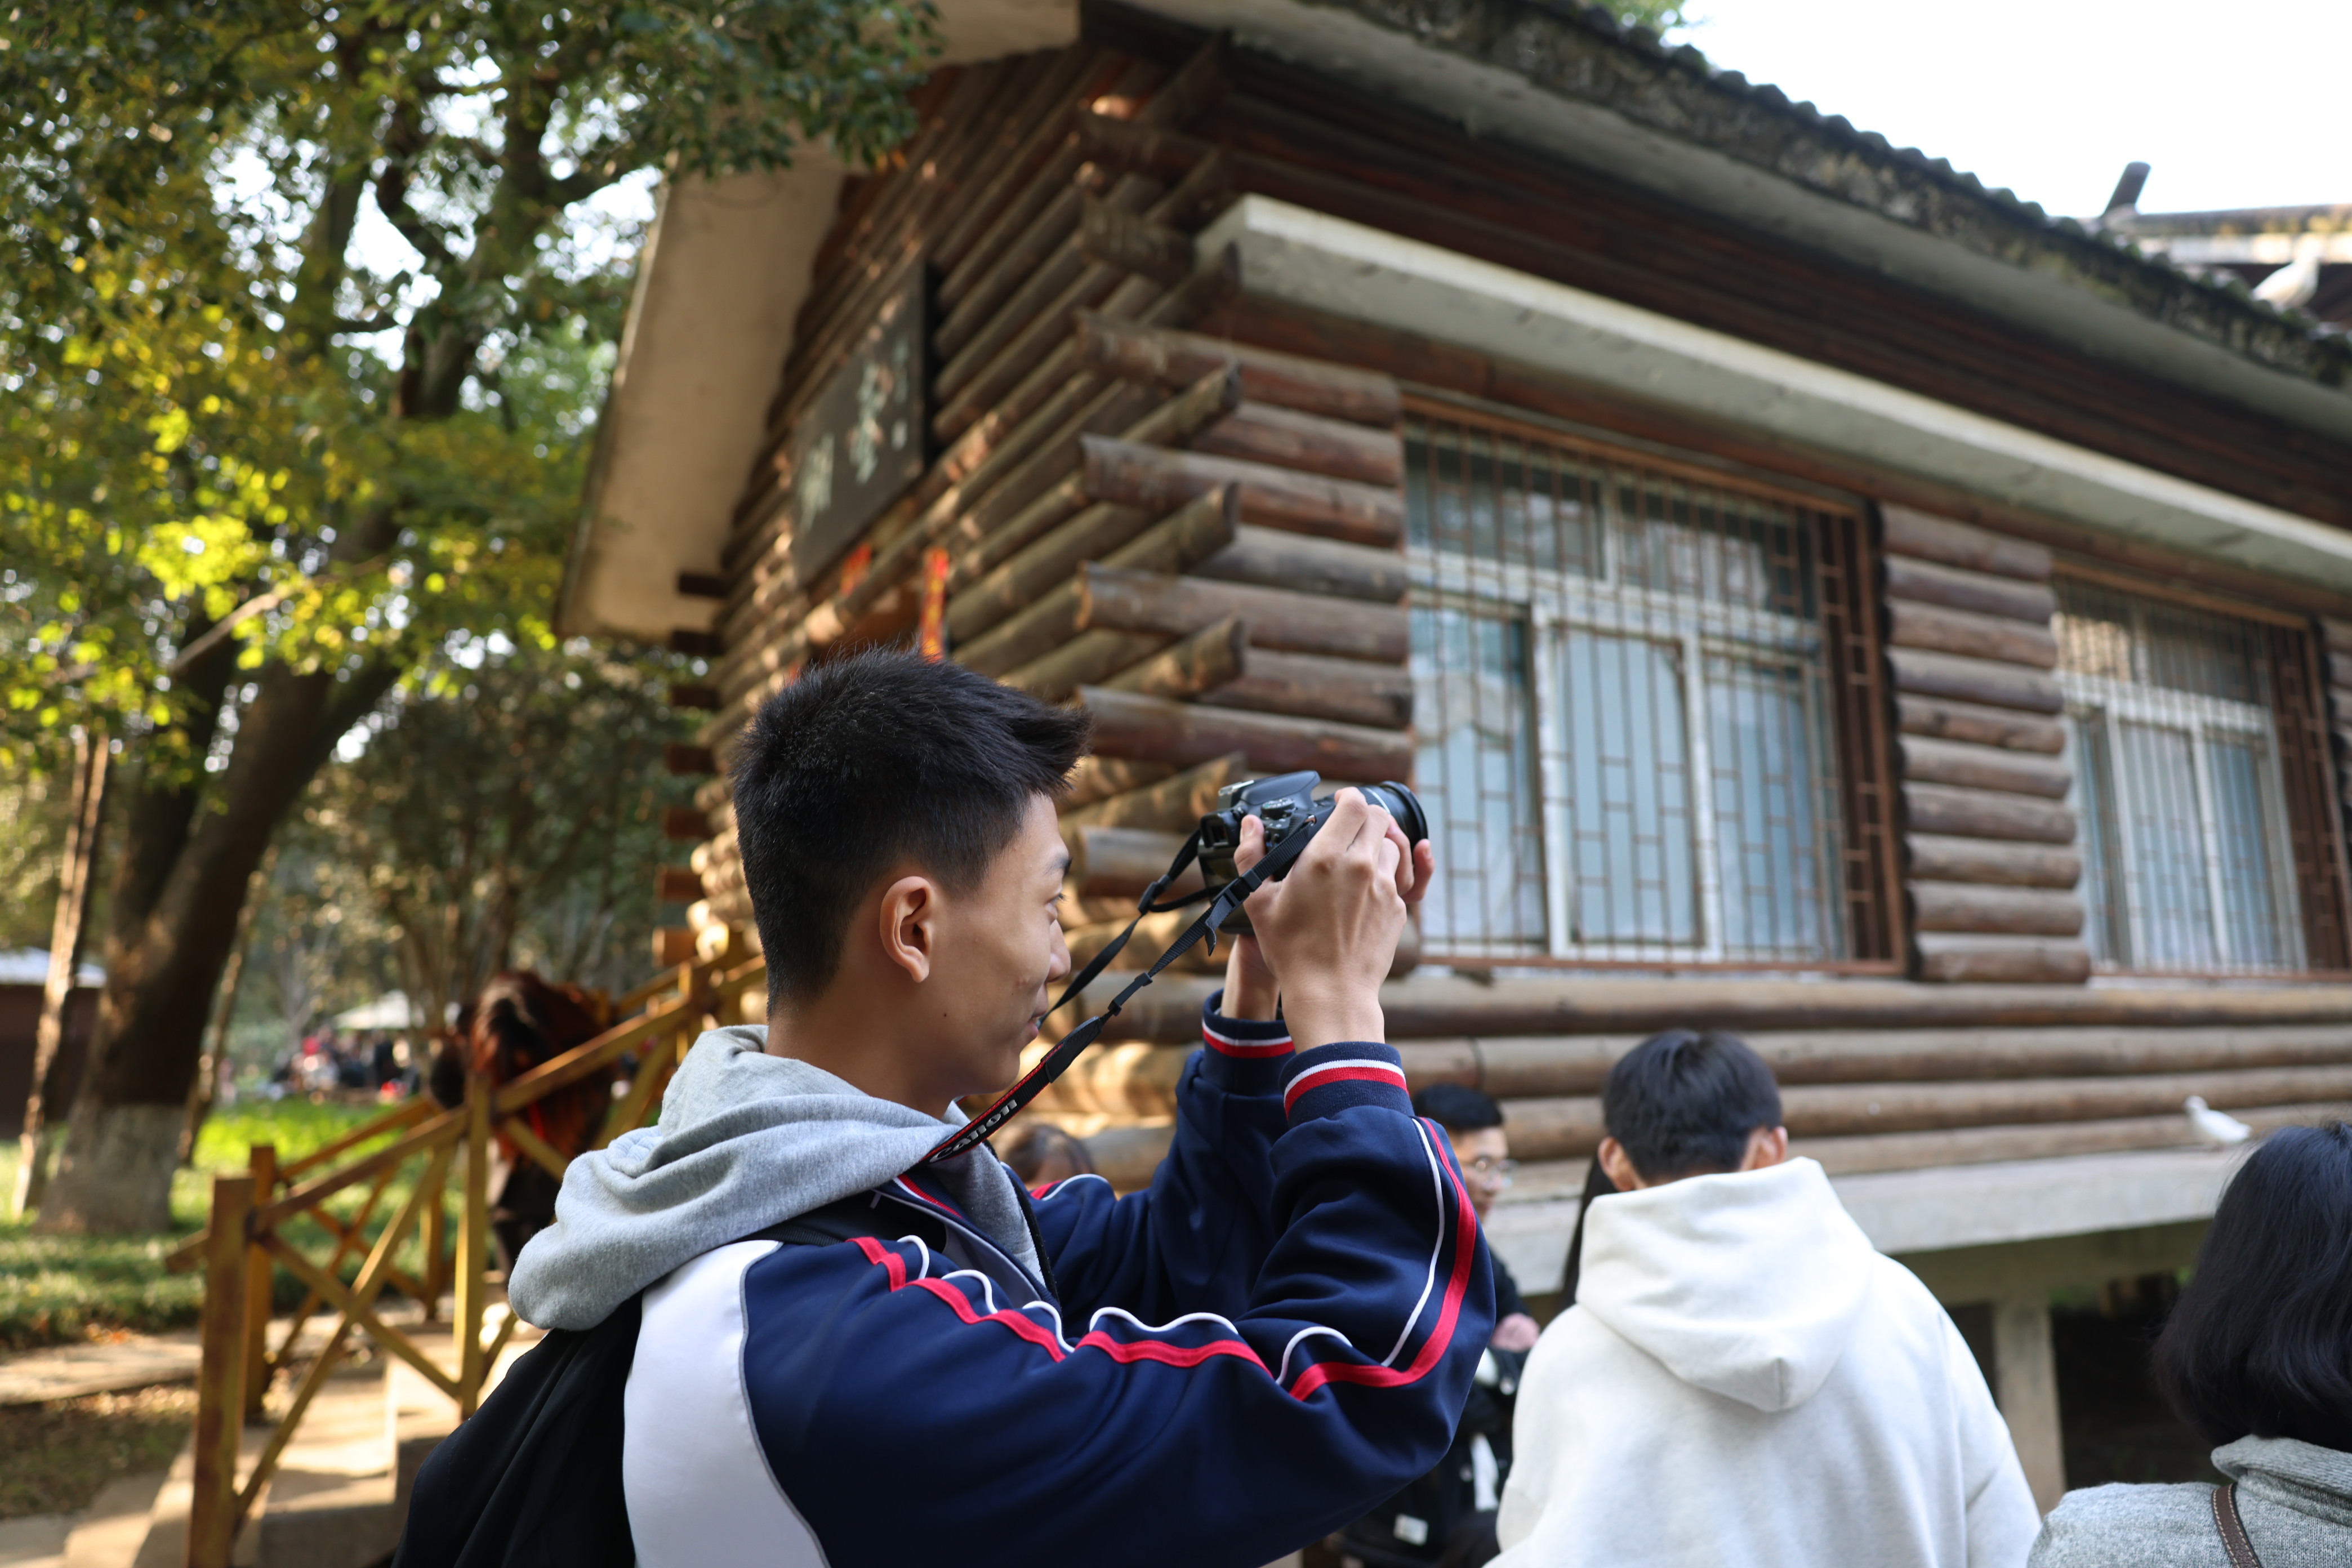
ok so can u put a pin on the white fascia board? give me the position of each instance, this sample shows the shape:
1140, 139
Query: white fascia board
1350, 270
1946, 1206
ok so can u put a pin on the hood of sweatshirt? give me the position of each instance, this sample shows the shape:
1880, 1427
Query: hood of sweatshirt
1747, 1285
745, 1141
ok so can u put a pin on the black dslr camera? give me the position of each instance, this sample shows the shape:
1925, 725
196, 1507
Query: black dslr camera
1288, 806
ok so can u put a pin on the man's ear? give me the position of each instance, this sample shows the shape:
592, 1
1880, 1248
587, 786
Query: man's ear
1618, 1165
909, 909
1766, 1147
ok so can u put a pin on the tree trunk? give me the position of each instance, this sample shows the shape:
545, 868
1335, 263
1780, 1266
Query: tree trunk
187, 876
74, 878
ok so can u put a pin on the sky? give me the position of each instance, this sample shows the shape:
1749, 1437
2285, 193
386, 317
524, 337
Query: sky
2232, 108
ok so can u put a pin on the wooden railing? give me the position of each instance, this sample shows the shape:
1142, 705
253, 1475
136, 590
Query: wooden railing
253, 1233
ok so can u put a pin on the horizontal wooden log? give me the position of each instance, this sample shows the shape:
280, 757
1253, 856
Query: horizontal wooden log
1111, 237
1194, 533
1126, 725
1949, 721
1510, 1067
1274, 558
1310, 443
1352, 690
1083, 660
683, 824
1953, 958
694, 695
1936, 858
677, 884
1141, 353
1983, 813
1204, 192
1133, 474
1096, 532
1152, 934
1913, 532
1175, 804
1957, 588
1209, 658
1109, 862
1832, 1109
1978, 680
1929, 760
1977, 907
1445, 1008
1099, 778
1152, 150
682, 761
1965, 632
1111, 599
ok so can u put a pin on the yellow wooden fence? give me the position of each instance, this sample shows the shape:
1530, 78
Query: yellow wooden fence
247, 1238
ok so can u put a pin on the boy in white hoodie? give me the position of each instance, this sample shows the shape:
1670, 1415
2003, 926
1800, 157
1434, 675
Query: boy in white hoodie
1742, 1379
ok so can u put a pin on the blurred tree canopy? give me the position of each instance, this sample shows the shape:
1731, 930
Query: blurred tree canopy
305, 310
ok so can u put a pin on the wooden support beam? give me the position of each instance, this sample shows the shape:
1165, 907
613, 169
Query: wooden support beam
1983, 813
1156, 478
1083, 660
1975, 907
1099, 778
682, 761
684, 823
2008, 863
1126, 725
1981, 592
1152, 150
672, 945
1308, 686
1974, 636
2025, 1386
1275, 558
1975, 680
1175, 804
1207, 659
1948, 720
1110, 238
701, 586
1112, 599
1140, 351
1929, 760
678, 884
1194, 531
1310, 443
1910, 531
696, 644
695, 696
1114, 862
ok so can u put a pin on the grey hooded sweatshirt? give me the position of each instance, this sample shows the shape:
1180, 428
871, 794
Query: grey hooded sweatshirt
745, 1141
2295, 1498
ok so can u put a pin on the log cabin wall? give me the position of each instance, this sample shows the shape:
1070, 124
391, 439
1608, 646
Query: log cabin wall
1184, 510
1989, 840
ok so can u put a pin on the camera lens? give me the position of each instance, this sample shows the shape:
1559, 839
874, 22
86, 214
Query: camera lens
1403, 804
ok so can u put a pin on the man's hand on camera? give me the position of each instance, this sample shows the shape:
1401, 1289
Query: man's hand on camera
1329, 930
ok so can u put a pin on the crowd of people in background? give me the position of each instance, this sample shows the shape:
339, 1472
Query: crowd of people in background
331, 1061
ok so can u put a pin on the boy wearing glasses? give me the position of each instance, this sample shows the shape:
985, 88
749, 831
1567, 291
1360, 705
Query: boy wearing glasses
1456, 1500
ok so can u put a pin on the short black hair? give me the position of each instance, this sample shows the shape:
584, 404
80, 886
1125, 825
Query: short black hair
1684, 1102
2261, 1341
1458, 1108
875, 759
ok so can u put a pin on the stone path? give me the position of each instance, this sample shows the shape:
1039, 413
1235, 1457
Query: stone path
68, 1371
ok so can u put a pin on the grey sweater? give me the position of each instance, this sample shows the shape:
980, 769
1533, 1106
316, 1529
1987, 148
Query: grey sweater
2295, 1499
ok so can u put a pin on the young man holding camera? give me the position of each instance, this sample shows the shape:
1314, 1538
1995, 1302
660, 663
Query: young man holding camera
850, 1351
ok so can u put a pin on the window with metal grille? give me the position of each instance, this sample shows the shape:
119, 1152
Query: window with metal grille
2201, 780
1646, 700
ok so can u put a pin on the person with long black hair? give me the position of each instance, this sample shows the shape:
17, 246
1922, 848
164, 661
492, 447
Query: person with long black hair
2257, 1356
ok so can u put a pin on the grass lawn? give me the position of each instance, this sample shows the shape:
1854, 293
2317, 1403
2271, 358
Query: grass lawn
55, 1288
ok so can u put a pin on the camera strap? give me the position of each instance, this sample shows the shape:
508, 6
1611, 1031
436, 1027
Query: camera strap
1066, 1050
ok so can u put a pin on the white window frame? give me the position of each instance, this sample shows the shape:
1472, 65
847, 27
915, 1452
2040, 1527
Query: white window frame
2113, 702
1554, 603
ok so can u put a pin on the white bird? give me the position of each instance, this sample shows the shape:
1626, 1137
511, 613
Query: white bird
2215, 1126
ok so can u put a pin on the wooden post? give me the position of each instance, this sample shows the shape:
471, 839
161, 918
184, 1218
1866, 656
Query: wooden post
259, 1272
473, 1242
65, 947
436, 1253
2026, 1374
220, 1376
